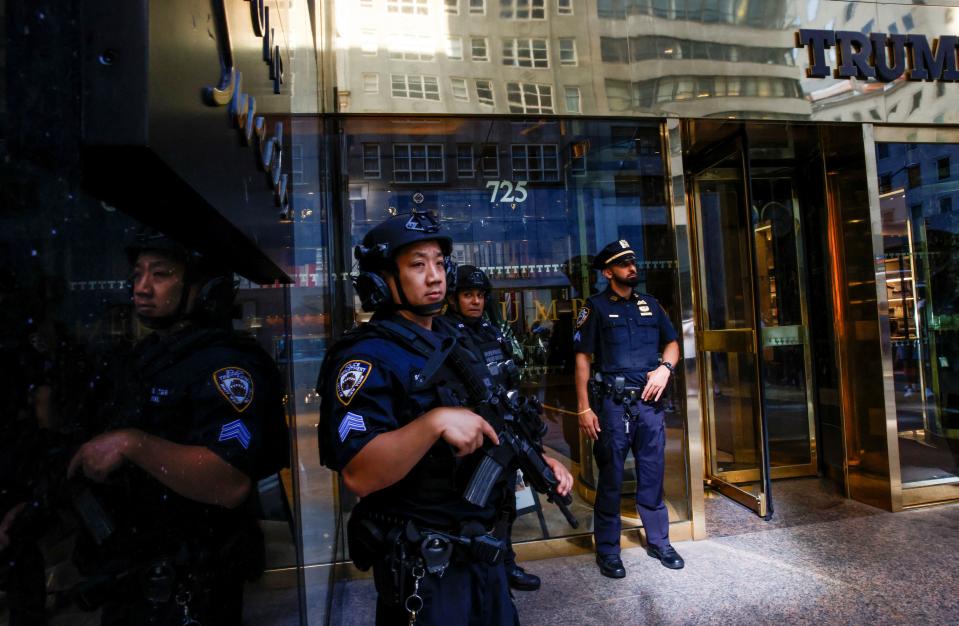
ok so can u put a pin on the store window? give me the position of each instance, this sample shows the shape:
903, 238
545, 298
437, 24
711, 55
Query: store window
920, 233
549, 195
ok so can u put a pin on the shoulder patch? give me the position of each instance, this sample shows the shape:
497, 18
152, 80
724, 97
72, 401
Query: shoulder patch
236, 385
351, 378
582, 317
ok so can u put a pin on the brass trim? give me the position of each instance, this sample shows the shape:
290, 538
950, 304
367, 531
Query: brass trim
935, 494
751, 501
695, 453
882, 303
727, 340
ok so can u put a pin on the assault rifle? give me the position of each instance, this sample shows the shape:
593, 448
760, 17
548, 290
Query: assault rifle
520, 430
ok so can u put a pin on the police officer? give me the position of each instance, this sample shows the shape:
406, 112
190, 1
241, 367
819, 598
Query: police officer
201, 422
391, 425
466, 309
624, 331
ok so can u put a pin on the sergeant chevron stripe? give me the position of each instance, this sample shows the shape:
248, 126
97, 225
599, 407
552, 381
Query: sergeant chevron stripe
236, 430
351, 421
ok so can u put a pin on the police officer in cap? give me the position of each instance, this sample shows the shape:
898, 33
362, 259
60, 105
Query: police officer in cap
391, 425
466, 308
201, 421
624, 332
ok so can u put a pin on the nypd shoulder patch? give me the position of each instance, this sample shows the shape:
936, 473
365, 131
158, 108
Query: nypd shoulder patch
351, 378
582, 317
236, 385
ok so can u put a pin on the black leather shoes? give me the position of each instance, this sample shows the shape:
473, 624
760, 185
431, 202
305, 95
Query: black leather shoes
611, 565
667, 556
520, 579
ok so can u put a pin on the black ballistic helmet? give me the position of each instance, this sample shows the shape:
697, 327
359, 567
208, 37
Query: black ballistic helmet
377, 253
470, 277
213, 302
385, 240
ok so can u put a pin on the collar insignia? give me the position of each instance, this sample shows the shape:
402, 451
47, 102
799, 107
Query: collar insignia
236, 385
350, 379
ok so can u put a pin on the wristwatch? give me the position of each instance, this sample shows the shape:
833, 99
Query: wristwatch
668, 366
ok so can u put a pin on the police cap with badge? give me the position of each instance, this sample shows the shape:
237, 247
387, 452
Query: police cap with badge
616, 253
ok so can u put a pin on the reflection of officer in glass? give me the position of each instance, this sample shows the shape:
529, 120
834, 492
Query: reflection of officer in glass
466, 309
624, 330
201, 422
401, 443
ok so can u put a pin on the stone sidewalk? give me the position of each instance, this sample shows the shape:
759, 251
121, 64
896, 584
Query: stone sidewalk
871, 568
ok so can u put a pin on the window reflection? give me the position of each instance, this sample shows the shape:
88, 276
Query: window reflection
529, 202
921, 244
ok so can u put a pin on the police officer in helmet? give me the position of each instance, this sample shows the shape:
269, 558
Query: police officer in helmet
625, 332
199, 422
391, 424
466, 306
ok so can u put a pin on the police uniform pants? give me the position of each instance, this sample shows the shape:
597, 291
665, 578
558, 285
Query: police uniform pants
647, 441
468, 594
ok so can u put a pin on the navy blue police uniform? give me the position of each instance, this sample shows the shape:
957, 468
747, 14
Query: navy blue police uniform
196, 386
482, 338
625, 337
370, 386
425, 542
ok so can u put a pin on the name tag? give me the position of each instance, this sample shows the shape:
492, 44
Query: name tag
613, 315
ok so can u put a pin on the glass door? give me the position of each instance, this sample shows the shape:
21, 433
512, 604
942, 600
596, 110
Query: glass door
736, 436
753, 323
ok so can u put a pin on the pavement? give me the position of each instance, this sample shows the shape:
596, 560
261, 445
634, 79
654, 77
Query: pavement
821, 559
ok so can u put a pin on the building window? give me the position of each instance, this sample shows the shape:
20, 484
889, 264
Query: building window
564, 7
942, 166
368, 44
885, 183
525, 53
883, 150
296, 165
489, 161
908, 22
409, 47
477, 6
459, 89
535, 162
454, 48
415, 87
577, 158
945, 204
567, 51
916, 100
371, 83
418, 163
479, 51
523, 9
453, 7
408, 7
915, 175
573, 104
529, 98
464, 160
484, 91
371, 160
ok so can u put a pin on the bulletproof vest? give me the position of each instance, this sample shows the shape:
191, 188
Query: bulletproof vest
629, 340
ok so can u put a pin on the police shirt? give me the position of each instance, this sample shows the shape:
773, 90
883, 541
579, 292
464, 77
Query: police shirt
625, 335
203, 387
369, 386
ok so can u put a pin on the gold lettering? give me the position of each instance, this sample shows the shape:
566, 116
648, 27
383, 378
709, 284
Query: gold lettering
542, 314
